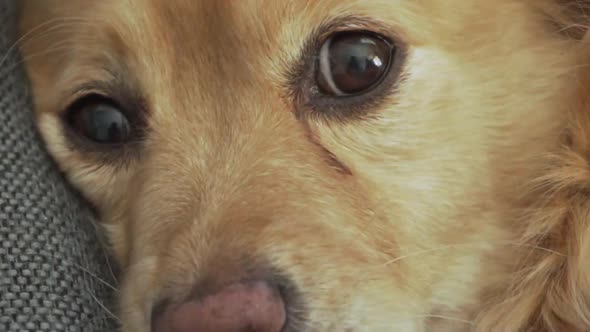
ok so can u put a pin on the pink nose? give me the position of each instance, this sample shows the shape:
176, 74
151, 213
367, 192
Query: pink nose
241, 307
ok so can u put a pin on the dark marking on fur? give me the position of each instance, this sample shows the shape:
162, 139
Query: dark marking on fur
328, 156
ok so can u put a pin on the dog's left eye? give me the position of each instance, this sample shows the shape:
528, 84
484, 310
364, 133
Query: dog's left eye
353, 63
99, 120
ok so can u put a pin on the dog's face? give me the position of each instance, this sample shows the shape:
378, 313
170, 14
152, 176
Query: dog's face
344, 165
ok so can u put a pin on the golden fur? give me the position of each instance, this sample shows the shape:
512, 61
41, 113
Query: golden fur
465, 201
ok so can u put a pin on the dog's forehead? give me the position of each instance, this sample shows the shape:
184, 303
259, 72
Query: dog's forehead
213, 25
188, 53
248, 27
181, 50
222, 41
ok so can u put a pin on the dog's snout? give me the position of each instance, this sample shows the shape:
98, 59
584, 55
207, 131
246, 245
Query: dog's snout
251, 306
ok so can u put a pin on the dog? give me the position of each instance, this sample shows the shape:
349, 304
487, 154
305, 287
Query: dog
343, 165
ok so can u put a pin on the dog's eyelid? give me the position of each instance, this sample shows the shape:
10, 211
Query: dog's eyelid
80, 91
122, 93
346, 23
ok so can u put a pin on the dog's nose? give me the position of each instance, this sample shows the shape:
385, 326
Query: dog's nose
240, 307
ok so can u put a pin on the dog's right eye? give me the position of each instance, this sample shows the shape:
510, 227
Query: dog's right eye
99, 120
353, 63
344, 73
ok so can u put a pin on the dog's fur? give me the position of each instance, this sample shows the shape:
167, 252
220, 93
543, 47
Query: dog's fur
462, 203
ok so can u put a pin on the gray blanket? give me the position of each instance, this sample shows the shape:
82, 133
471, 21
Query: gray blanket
54, 274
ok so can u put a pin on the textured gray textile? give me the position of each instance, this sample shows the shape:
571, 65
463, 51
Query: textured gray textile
50, 256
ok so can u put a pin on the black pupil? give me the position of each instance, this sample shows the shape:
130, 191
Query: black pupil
358, 61
102, 123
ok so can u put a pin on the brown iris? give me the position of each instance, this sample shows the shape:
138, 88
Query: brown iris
353, 63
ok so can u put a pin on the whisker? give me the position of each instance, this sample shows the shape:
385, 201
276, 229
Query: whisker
453, 246
34, 55
31, 32
81, 268
90, 322
450, 318
110, 313
21, 38
411, 317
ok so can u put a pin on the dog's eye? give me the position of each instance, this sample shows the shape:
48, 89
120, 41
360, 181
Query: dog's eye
99, 120
352, 63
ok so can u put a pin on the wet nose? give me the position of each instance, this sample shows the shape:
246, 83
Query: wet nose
253, 306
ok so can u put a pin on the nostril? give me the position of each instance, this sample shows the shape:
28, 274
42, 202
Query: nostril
241, 307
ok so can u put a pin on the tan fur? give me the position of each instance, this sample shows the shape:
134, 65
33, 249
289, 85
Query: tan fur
467, 204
